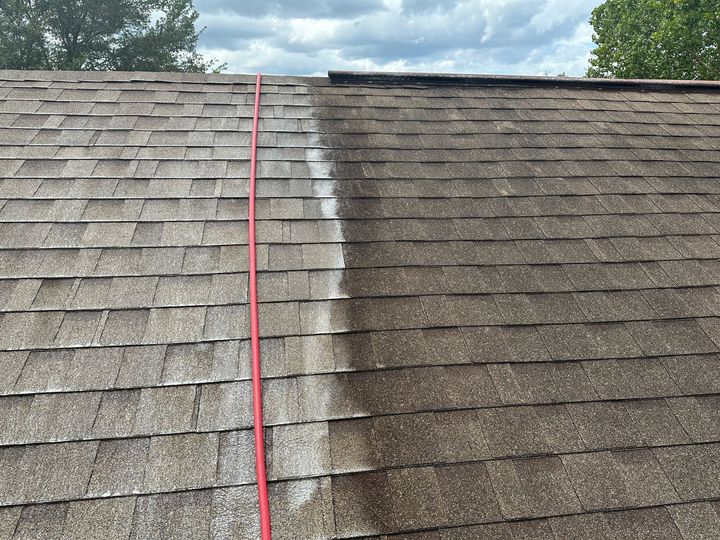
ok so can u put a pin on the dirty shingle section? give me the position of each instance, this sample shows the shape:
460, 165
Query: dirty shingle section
486, 311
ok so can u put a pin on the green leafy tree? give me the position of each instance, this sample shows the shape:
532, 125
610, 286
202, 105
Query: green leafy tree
656, 39
149, 35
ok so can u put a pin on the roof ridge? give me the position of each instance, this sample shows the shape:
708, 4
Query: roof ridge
469, 79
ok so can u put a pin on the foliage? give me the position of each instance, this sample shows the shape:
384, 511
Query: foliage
656, 39
149, 35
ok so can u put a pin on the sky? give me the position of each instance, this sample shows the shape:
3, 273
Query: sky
310, 37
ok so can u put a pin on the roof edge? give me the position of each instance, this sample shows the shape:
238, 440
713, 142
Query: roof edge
465, 79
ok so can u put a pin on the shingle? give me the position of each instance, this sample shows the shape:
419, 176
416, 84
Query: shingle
350, 445
140, 366
355, 500
62, 370
518, 431
581, 527
41, 521
8, 521
495, 343
173, 325
417, 347
632, 378
58, 417
619, 479
368, 314
552, 251
532, 488
28, 329
604, 425
116, 414
414, 494
181, 461
199, 362
99, 519
698, 416
539, 308
696, 521
399, 440
120, 467
546, 278
614, 306
282, 402
335, 396
694, 374
306, 354
107, 234
11, 365
78, 328
691, 469
585, 341
46, 472
312, 519
165, 409
671, 337
236, 458
226, 322
185, 515
225, 406
656, 423
300, 450
460, 310
124, 327
643, 523
182, 290
53, 293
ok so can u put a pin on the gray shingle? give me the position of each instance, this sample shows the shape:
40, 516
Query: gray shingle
165, 409
99, 519
29, 330
236, 458
124, 327
175, 325
120, 467
671, 337
181, 461
46, 472
697, 520
186, 514
225, 406
41, 521
653, 522
300, 450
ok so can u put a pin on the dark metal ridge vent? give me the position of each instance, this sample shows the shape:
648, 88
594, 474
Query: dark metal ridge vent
462, 79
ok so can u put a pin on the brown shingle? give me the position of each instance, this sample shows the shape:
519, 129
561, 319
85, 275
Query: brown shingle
487, 311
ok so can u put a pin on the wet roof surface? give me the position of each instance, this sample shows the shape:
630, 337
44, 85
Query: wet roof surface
487, 312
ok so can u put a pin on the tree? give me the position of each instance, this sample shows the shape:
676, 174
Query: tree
656, 39
149, 35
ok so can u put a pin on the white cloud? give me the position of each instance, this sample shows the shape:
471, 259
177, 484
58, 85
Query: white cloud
480, 36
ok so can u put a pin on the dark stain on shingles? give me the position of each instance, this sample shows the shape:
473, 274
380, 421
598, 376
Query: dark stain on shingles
412, 498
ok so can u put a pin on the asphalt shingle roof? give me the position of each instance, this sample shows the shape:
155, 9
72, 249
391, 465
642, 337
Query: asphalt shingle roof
488, 311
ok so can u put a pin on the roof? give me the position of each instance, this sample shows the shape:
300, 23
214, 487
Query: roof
487, 310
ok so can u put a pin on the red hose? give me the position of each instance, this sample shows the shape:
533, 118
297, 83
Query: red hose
263, 502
